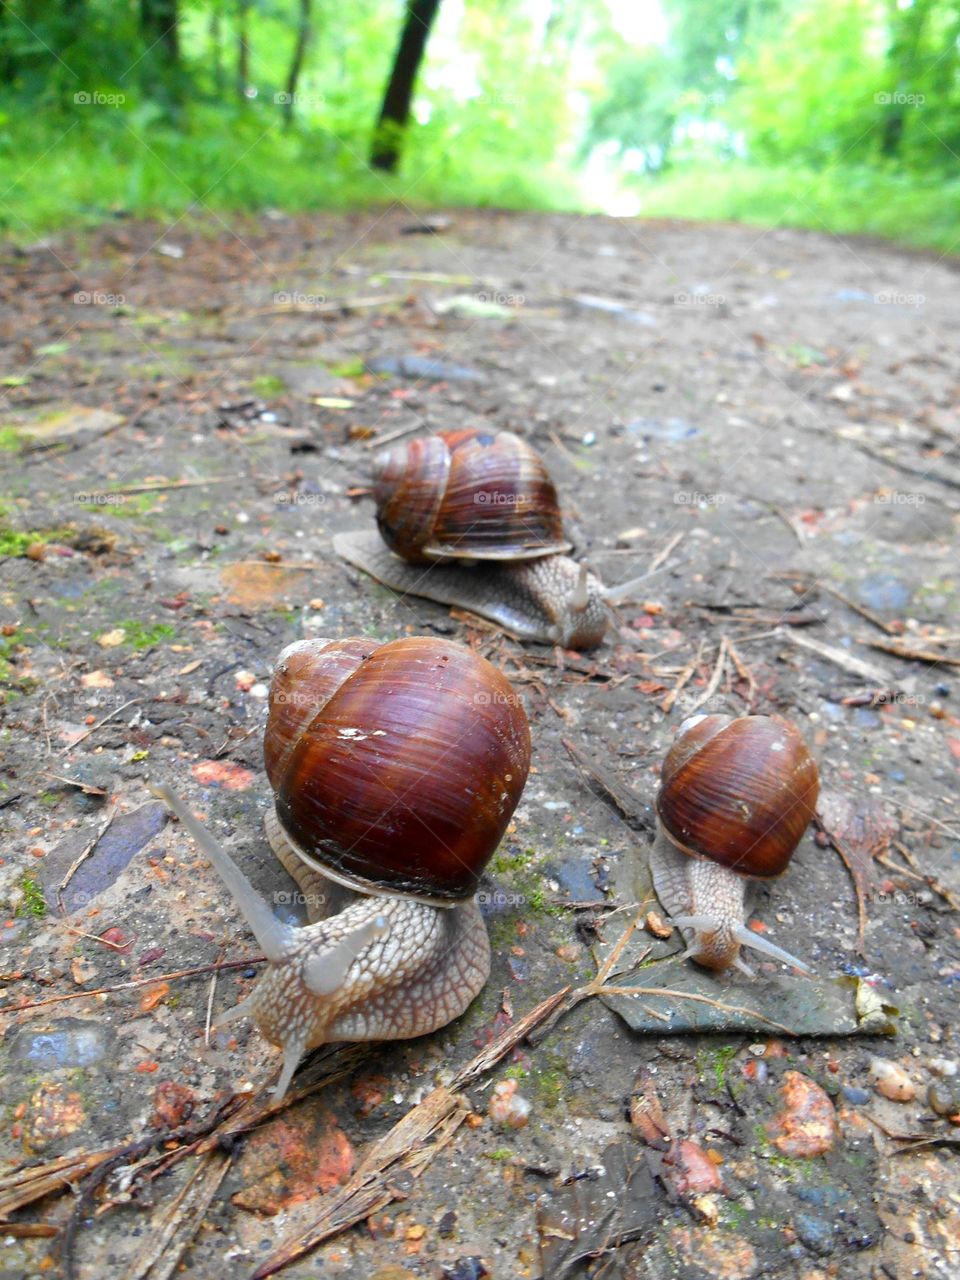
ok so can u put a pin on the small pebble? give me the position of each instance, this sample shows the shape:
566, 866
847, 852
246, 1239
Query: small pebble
944, 1099
890, 1080
856, 1097
946, 1068
507, 1108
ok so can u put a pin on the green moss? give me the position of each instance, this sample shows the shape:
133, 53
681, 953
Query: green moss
10, 442
14, 542
33, 903
501, 1153
721, 1060
348, 369
142, 636
268, 385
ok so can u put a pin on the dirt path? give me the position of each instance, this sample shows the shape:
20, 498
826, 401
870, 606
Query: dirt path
185, 414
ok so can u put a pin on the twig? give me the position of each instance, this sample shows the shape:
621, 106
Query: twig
99, 725
744, 672
901, 649
82, 857
846, 661
661, 556
714, 680
159, 487
136, 982
187, 1210
666, 706
788, 521
377, 441
408, 1147
905, 467
871, 617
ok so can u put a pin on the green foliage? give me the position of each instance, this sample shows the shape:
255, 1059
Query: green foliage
840, 112
32, 903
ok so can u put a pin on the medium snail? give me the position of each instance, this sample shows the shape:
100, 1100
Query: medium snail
735, 798
395, 770
471, 518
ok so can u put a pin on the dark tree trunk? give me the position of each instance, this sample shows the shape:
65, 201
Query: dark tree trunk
304, 33
243, 49
158, 22
385, 153
216, 41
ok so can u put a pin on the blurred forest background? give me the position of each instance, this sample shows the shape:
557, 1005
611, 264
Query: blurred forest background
842, 114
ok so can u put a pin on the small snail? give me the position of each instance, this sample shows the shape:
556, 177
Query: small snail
471, 518
395, 770
735, 798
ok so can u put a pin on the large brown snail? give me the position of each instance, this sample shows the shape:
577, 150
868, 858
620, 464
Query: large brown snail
395, 770
471, 518
735, 798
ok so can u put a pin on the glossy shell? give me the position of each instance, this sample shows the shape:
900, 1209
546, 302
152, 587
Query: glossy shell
404, 777
474, 495
740, 792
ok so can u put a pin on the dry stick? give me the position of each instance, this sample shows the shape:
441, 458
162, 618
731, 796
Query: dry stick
846, 661
392, 435
83, 1203
903, 650
187, 1210
136, 982
81, 858
277, 564
75, 782
715, 678
160, 486
744, 672
788, 521
404, 1147
666, 705
661, 556
905, 467
916, 873
858, 608
100, 723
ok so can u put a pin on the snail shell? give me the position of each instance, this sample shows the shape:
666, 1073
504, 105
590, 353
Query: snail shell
395, 767
467, 495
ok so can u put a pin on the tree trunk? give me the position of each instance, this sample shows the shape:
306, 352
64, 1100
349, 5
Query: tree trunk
304, 33
385, 152
216, 40
243, 49
158, 22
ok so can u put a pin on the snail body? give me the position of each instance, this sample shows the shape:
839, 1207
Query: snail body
471, 518
736, 796
395, 770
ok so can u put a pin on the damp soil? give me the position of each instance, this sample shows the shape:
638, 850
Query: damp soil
767, 421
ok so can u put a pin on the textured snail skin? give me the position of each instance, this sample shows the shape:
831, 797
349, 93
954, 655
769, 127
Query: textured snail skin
423, 972
533, 599
377, 965
736, 797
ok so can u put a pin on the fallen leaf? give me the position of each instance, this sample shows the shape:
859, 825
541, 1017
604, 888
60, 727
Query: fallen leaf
293, 1158
259, 586
222, 773
110, 639
860, 829
97, 680
153, 995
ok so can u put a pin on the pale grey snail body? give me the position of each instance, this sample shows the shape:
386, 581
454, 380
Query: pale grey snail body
395, 770
471, 519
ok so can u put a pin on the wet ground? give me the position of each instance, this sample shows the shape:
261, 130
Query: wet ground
767, 419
